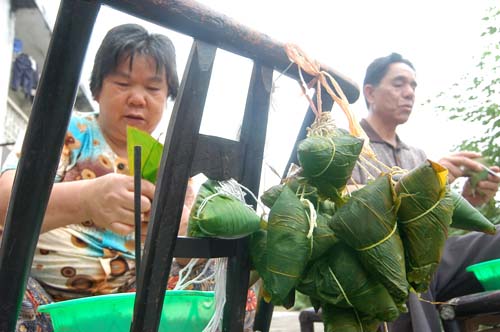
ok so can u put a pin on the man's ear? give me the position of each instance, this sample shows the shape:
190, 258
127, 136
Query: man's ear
368, 90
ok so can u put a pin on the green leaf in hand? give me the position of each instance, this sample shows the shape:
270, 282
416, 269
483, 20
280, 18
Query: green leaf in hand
477, 176
151, 151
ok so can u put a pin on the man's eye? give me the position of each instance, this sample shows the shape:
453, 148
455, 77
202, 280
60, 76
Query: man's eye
153, 88
121, 83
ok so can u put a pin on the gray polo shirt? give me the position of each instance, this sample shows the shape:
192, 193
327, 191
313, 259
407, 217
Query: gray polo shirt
401, 155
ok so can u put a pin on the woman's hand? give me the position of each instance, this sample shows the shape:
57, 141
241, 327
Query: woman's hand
108, 201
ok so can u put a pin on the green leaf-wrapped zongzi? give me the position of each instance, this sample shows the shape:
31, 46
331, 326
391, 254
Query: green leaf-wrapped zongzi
424, 218
338, 278
467, 217
337, 319
367, 223
323, 236
297, 184
288, 247
217, 213
328, 161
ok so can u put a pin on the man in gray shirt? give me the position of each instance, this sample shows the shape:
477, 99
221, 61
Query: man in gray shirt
389, 90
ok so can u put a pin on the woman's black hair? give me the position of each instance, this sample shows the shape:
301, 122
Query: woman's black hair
126, 41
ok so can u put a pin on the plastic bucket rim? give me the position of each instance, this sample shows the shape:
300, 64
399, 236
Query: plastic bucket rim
48, 308
474, 267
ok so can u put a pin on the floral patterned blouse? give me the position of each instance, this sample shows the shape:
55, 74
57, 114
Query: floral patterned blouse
82, 259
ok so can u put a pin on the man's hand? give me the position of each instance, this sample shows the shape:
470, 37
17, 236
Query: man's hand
109, 201
484, 191
459, 163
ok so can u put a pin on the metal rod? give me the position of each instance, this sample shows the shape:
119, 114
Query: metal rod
137, 207
41, 152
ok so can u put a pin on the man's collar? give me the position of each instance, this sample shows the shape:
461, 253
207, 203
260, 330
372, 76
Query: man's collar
375, 138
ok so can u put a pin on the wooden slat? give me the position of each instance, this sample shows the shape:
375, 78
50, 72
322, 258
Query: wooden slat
253, 137
192, 18
41, 152
178, 155
218, 158
188, 247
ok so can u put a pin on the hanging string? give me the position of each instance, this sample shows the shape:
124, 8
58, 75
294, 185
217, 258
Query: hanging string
185, 272
324, 125
334, 149
312, 216
205, 202
346, 298
220, 295
232, 185
381, 241
325, 80
365, 169
236, 190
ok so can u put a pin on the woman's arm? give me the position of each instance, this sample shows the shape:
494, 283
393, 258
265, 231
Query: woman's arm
107, 201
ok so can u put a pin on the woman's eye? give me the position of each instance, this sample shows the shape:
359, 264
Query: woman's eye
121, 83
153, 88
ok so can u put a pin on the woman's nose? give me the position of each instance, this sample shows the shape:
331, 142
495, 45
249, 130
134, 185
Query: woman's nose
137, 97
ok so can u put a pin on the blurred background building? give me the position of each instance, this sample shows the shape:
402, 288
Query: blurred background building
24, 41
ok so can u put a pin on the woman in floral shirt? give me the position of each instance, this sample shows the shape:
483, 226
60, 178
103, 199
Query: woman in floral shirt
86, 246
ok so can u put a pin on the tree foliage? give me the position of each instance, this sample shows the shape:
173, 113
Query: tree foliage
476, 99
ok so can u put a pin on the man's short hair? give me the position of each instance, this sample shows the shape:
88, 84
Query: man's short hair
380, 66
126, 41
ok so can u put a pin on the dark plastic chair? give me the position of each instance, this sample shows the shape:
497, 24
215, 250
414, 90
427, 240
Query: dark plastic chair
307, 318
467, 313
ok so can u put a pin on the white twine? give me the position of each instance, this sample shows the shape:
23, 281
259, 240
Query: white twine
233, 189
186, 271
312, 216
220, 295
233, 186
204, 203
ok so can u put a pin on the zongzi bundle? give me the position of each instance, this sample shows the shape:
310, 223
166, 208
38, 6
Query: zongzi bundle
338, 278
327, 161
467, 217
367, 223
424, 218
288, 247
337, 319
217, 213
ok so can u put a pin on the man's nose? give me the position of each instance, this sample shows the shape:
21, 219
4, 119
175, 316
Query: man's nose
409, 92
